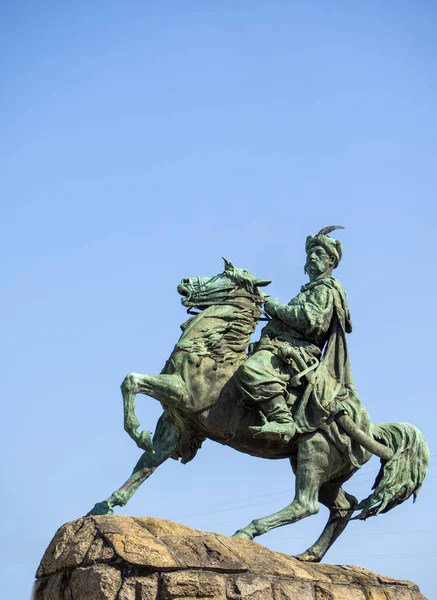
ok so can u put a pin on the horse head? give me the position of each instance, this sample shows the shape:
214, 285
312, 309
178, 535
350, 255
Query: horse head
231, 285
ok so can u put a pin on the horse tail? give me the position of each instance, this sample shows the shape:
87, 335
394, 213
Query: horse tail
402, 475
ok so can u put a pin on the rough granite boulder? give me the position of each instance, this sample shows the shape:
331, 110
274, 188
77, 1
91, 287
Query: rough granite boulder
130, 558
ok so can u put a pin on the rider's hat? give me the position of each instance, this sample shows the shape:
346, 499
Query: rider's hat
332, 247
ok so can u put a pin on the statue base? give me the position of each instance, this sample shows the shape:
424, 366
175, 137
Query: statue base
133, 558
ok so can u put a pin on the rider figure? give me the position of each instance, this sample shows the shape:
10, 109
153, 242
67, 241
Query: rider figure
287, 367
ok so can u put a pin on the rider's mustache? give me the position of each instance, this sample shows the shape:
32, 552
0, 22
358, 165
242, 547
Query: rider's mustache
312, 261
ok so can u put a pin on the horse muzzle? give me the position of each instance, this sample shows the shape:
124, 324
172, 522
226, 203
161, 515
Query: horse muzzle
185, 289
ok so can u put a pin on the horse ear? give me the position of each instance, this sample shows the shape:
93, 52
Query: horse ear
262, 282
228, 265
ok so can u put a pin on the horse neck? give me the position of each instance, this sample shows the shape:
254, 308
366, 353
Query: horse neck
226, 327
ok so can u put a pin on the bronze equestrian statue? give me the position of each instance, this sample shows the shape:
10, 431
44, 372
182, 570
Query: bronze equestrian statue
292, 396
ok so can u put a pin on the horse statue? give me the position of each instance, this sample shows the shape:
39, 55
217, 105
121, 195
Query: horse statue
200, 398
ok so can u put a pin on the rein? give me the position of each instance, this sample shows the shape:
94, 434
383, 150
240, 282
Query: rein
225, 300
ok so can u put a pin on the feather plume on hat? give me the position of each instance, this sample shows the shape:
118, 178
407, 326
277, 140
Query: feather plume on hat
332, 247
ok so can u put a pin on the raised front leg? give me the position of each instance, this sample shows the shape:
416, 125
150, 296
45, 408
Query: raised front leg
165, 441
168, 389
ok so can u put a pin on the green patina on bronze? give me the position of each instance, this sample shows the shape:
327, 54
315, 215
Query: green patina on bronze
291, 396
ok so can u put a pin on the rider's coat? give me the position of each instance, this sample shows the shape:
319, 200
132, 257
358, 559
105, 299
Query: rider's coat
309, 334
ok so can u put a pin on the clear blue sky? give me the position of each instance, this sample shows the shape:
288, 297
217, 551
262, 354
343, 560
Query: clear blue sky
141, 141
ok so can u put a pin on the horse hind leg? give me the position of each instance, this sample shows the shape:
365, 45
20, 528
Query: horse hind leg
165, 442
341, 508
310, 475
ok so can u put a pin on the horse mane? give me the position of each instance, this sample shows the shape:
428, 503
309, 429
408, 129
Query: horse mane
227, 336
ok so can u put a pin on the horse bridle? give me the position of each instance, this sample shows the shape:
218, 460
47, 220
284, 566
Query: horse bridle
214, 296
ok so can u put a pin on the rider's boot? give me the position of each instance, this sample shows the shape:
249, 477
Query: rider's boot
278, 423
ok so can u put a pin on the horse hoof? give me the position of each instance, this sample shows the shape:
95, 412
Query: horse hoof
145, 441
307, 557
101, 508
242, 534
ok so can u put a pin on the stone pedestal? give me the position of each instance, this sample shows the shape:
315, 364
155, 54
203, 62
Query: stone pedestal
129, 558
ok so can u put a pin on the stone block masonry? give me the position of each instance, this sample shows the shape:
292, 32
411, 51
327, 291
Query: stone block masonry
133, 558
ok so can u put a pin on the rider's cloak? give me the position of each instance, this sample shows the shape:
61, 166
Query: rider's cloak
331, 390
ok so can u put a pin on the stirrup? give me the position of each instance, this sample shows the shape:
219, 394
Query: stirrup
271, 430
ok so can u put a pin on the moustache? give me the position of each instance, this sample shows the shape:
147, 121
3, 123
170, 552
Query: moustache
312, 261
